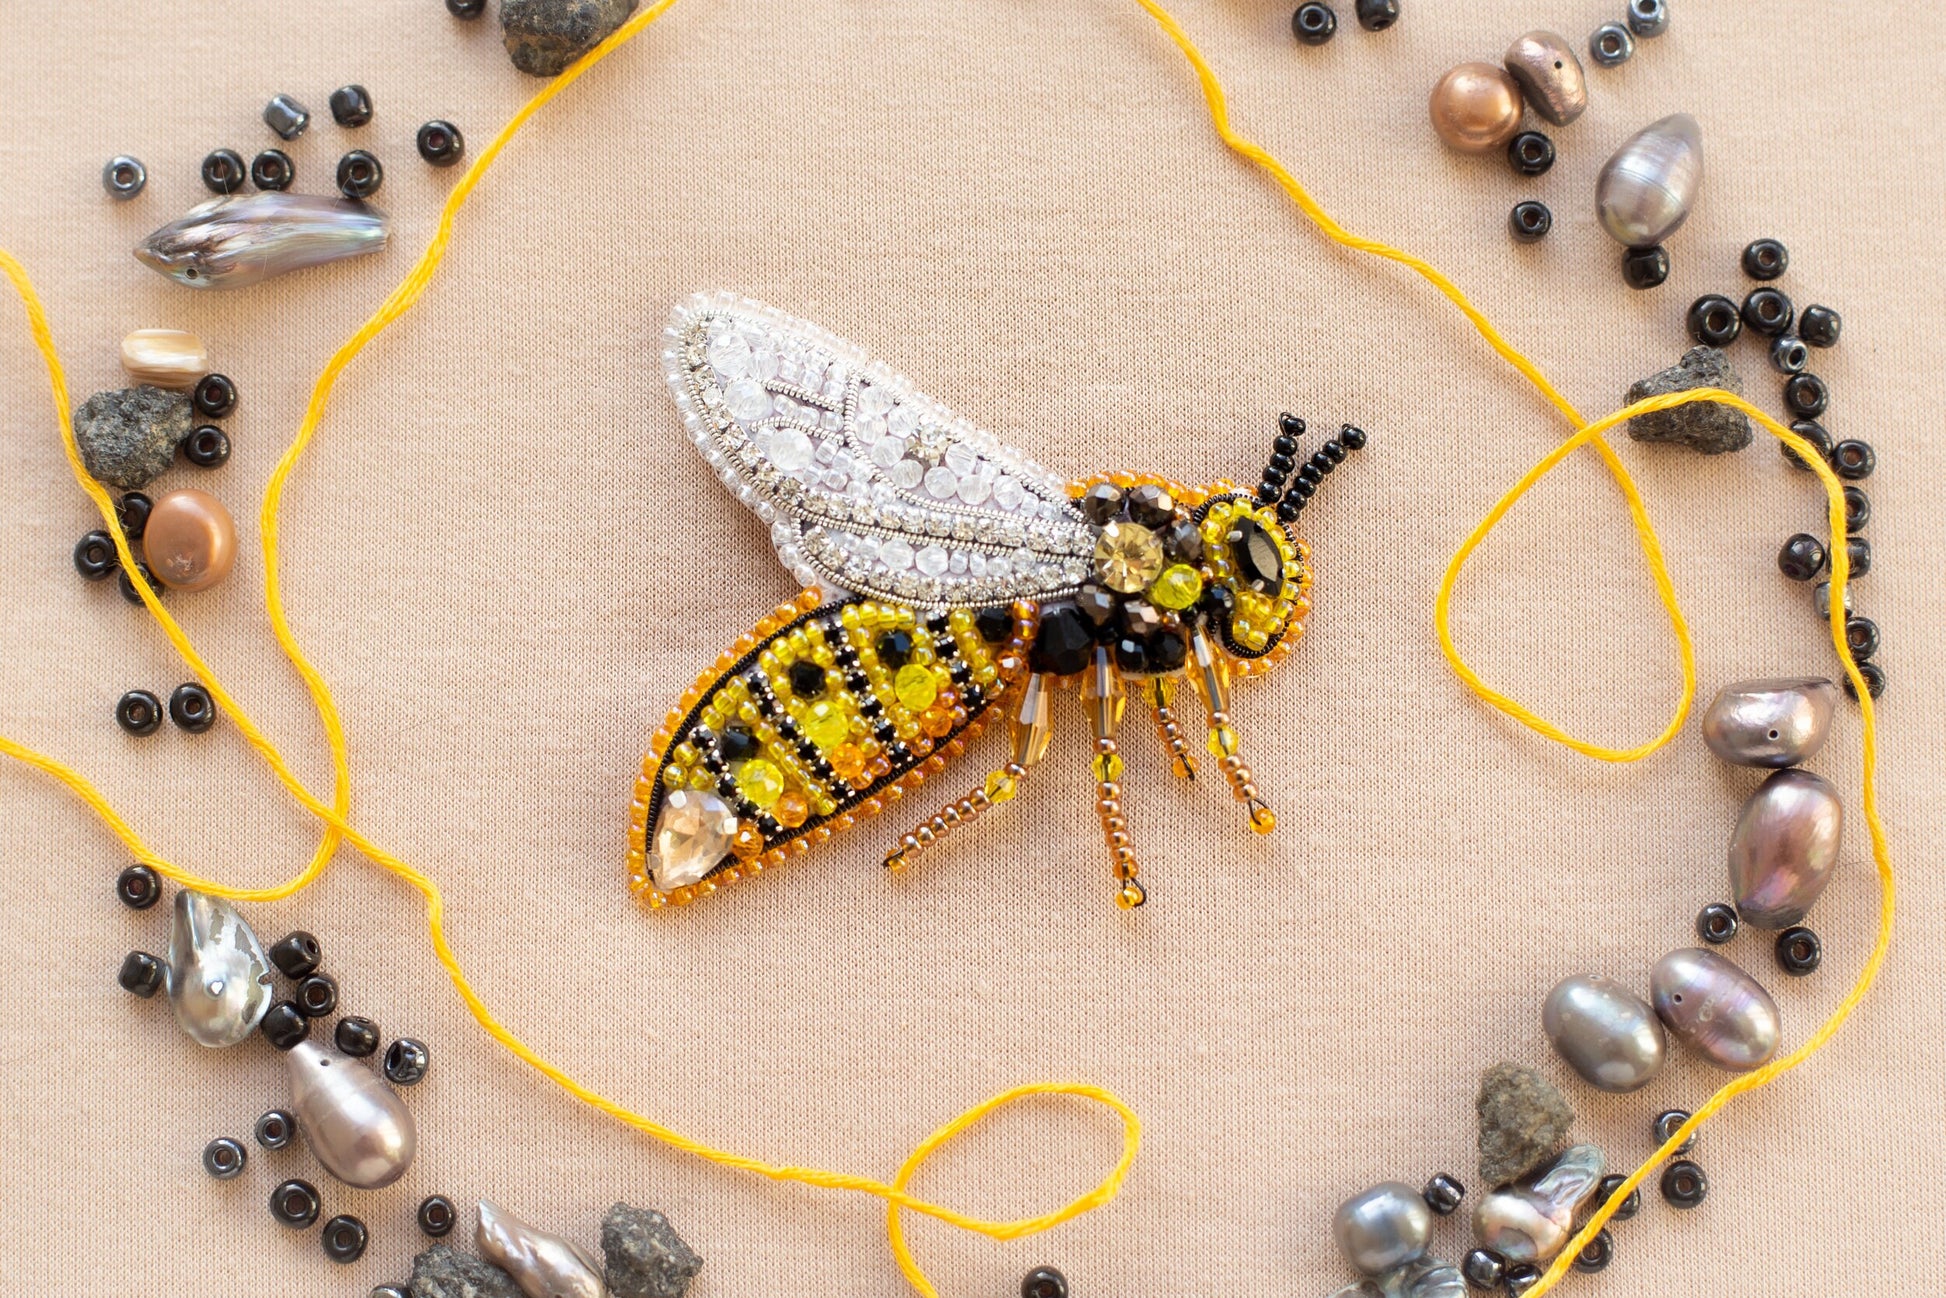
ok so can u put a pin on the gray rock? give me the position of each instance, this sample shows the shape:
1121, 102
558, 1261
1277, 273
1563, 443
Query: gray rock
646, 1258
129, 436
544, 36
442, 1271
1524, 1122
1705, 426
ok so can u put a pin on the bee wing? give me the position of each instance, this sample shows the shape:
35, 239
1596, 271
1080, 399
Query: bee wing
869, 485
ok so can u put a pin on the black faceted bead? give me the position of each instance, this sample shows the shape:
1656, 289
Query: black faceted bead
355, 1036
1529, 221
223, 1158
1714, 320
1100, 607
1064, 643
1854, 460
223, 171
1645, 267
1151, 506
139, 712
1717, 923
1314, 23
286, 117
1443, 1194
1610, 1186
127, 586
359, 174
1768, 312
316, 996
437, 1216
1289, 425
139, 887
440, 143
297, 954
208, 447
295, 1203
1765, 259
1858, 509
1101, 503
1352, 438
94, 555
737, 744
276, 1129
1798, 951
1806, 395
132, 512
1802, 557
272, 170
1861, 637
191, 708
1858, 551
215, 396
895, 649
351, 105
1044, 1282
141, 974
1666, 1124
1377, 15
806, 678
1521, 1277
1813, 432
1819, 326
466, 8
285, 1026
1531, 153
1218, 602
344, 1238
1874, 681
1684, 1185
406, 1062
1598, 1254
1483, 1268
1788, 354
1132, 653
1168, 650
994, 624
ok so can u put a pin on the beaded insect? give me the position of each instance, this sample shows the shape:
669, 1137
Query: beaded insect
950, 584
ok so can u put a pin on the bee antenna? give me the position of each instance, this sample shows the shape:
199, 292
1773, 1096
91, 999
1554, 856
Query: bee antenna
1323, 460
1283, 458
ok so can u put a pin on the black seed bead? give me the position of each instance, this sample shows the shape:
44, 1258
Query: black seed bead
1302, 491
1521, 1277
1529, 221
1859, 552
1530, 153
1267, 492
1352, 438
1768, 312
1802, 557
132, 512
359, 174
316, 996
139, 712
208, 447
1288, 509
895, 649
284, 1026
351, 105
276, 1129
286, 117
1311, 474
440, 143
1684, 1185
1798, 951
139, 887
1813, 432
1314, 23
1044, 1282
94, 555
1820, 326
272, 170
1290, 425
1645, 267
1765, 259
1714, 320
223, 171
1334, 451
466, 8
215, 396
857, 682
1806, 395
1443, 1194
344, 1238
1858, 509
1283, 444
1861, 637
127, 586
297, 954
141, 974
295, 1203
1788, 354
1280, 462
1717, 923
1610, 1186
1665, 1125
406, 1062
806, 678
437, 1216
223, 1158
123, 177
1599, 1253
1377, 15
1854, 460
191, 708
1874, 681
1483, 1268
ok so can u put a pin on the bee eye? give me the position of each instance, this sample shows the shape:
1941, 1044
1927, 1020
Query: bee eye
1255, 555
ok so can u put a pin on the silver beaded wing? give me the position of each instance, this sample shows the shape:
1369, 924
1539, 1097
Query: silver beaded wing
869, 486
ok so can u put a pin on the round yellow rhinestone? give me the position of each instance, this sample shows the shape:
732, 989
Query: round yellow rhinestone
1222, 741
915, 687
825, 724
1107, 767
1127, 557
1177, 588
1001, 787
761, 782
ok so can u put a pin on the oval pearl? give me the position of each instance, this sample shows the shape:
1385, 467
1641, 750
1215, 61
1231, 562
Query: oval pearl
1383, 1228
1715, 1008
165, 358
1772, 723
219, 978
1646, 189
1550, 76
1607, 1033
1530, 1223
543, 1265
190, 540
1476, 108
1785, 847
353, 1121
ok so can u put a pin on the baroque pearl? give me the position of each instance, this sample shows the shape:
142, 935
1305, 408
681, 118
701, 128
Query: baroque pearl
219, 979
1715, 1008
1770, 722
164, 358
1383, 1228
1607, 1034
1476, 108
543, 1265
1785, 847
1646, 189
1530, 1223
1550, 76
190, 540
356, 1125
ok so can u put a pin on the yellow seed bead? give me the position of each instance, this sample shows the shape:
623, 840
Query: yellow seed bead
673, 776
1107, 767
916, 687
1262, 818
1129, 897
1222, 741
1001, 787
761, 782
825, 724
1177, 588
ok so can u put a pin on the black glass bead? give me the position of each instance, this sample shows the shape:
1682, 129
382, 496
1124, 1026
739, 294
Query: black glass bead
1530, 153
191, 708
132, 512
1819, 326
1612, 1184
359, 174
1044, 1282
208, 447
223, 1158
1765, 259
284, 1026
1858, 509
1598, 1254
1788, 354
858, 682
437, 1216
1218, 602
276, 1129
141, 974
1311, 474
297, 954
127, 587
1529, 221
1168, 649
139, 712
1289, 508
1684, 1185
286, 117
1352, 438
139, 887
1151, 506
1813, 432
406, 1062
1332, 450
295, 1203
215, 396
351, 105
895, 649
1521, 1277
94, 555
726, 785
1861, 637
223, 171
1101, 503
1131, 653
1768, 312
1806, 395
273, 170
344, 1238
1303, 490
1645, 267
1063, 644
1714, 320
1289, 425
807, 679
1798, 951
1717, 923
1268, 491
466, 8
1443, 1194
1874, 681
1802, 557
1099, 606
1859, 552
1483, 1268
1255, 555
1283, 444
1377, 15
1854, 460
123, 177
316, 995
1666, 1124
1314, 23
440, 143
896, 752
736, 743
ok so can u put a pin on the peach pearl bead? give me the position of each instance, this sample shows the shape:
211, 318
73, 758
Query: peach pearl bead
190, 540
1476, 108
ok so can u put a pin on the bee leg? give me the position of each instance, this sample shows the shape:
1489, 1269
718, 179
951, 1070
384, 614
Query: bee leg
1000, 786
1114, 825
1162, 697
1223, 744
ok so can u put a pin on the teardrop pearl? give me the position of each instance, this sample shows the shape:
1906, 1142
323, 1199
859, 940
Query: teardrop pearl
219, 979
351, 1117
1715, 1008
543, 1265
1646, 189
1785, 848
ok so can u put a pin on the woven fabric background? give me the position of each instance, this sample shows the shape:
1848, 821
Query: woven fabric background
506, 559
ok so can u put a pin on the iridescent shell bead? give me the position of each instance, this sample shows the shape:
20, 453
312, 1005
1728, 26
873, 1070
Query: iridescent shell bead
1770, 723
1607, 1034
1715, 1008
1785, 847
164, 358
1531, 1223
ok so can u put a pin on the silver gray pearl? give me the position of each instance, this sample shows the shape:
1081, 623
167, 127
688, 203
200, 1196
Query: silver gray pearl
543, 1265
219, 979
351, 1117
1530, 1223
1383, 1228
1646, 189
1550, 76
1785, 847
1715, 1008
1772, 723
1607, 1033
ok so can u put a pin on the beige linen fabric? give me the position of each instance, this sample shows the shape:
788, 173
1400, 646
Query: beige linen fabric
506, 559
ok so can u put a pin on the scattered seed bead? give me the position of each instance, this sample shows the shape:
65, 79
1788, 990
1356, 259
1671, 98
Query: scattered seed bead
466, 8
1858, 551
94, 555
1874, 681
223, 171
1611, 45
359, 174
223, 1158
1858, 509
1802, 557
1645, 267
1854, 460
1443, 1194
1821, 600
1665, 1125
297, 954
1788, 354
357, 1037
351, 105
1483, 1268
1530, 153
1813, 432
1529, 221
1717, 923
215, 396
276, 1129
141, 974
437, 1216
344, 1238
138, 887
1610, 1186
192, 708
440, 143
123, 177
124, 584
1314, 23
316, 996
1714, 320
1765, 259
1377, 15
1861, 637
1044, 1282
286, 117
132, 512
295, 1203
208, 447
285, 1026
272, 169
1820, 326
1684, 1185
1768, 312
1599, 1253
1648, 18
1521, 1277
390, 1291
406, 1061
1806, 395
139, 712
1798, 951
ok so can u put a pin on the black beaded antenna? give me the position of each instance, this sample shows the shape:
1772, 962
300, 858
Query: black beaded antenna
1283, 459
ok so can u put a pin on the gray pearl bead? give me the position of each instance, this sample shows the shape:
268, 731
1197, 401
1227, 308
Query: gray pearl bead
543, 1265
1385, 1227
1530, 1223
1606, 1033
1611, 45
1785, 847
351, 1117
219, 979
1773, 723
1550, 76
1715, 1008
1646, 189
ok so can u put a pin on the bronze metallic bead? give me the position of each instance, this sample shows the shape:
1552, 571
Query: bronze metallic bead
1475, 109
950, 815
189, 540
1232, 764
1110, 789
1550, 76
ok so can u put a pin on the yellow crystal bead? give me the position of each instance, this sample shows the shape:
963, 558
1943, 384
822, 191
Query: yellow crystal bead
792, 810
761, 782
1128, 557
1001, 787
848, 760
1222, 741
1177, 588
825, 724
1107, 767
916, 687
1262, 818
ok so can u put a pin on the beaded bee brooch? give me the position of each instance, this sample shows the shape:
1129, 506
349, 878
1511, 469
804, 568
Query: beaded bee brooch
951, 584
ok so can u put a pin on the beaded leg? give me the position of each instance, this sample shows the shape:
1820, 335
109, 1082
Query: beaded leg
1223, 740
1162, 698
1000, 786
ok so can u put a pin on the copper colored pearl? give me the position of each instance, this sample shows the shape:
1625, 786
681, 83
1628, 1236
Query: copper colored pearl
190, 540
1476, 108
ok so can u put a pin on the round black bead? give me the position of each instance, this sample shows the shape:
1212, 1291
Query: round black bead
1717, 923
295, 1203
1302, 490
1765, 259
1132, 653
1218, 602
1714, 320
355, 1036
1529, 221
1597, 1255
994, 624
895, 649
1854, 460
1044, 1282
1483, 1268
297, 954
1268, 491
1281, 462
139, 712
1666, 1124
1168, 649
1311, 474
1521, 1277
437, 1216
406, 1062
1289, 508
208, 447
351, 105
1802, 557
359, 174
223, 171
127, 586
1874, 681
1813, 432
466, 8
1645, 267
1861, 637
1283, 444
344, 1238
1768, 312
1684, 1185
1788, 354
191, 708
1819, 326
1377, 15
141, 974
285, 1026
1443, 1194
272, 169
139, 887
223, 1158
1314, 23
123, 177
1858, 509
1151, 506
1063, 644
1798, 951
276, 1129
215, 396
1859, 553
806, 678
1610, 1185
1530, 153
1806, 395
316, 996
1352, 438
440, 143
1333, 450
132, 512
1290, 425
94, 555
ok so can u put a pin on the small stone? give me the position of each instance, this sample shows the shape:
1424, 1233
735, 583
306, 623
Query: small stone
646, 1258
128, 437
442, 1271
1524, 1122
1704, 426
544, 36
